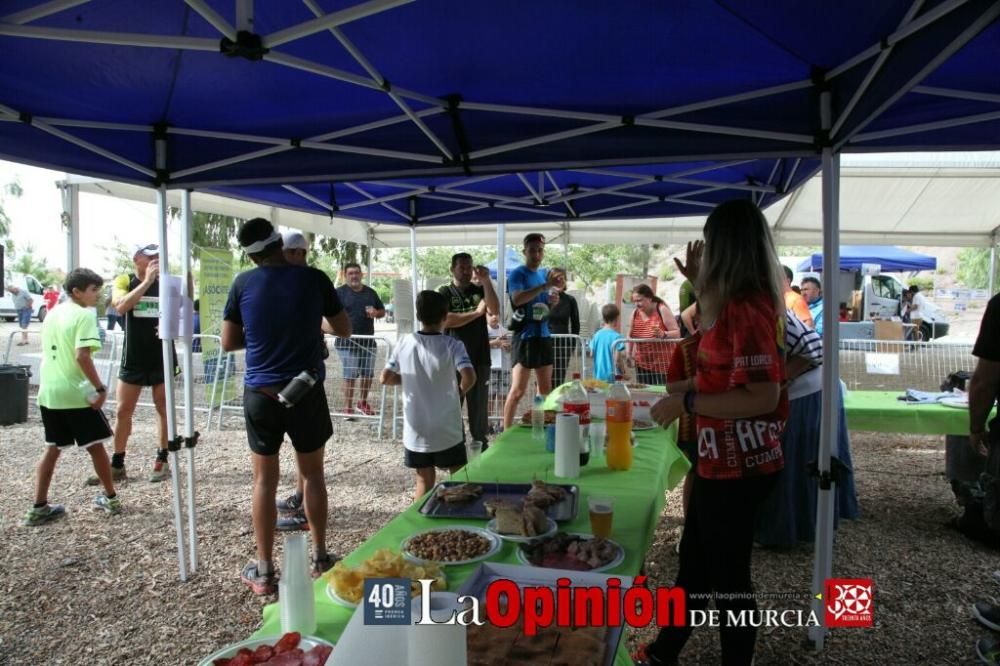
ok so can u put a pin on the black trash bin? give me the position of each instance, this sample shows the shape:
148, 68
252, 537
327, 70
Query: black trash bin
14, 393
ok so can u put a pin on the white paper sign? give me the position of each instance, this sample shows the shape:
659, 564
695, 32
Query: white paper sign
942, 293
878, 363
961, 306
980, 294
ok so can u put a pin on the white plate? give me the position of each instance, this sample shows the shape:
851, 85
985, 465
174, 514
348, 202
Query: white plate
650, 425
495, 545
521, 557
491, 527
306, 643
958, 403
337, 599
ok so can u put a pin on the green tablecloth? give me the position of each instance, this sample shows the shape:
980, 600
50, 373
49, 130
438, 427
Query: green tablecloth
515, 457
880, 411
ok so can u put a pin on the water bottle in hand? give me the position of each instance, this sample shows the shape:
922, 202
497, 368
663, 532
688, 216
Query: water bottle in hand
538, 419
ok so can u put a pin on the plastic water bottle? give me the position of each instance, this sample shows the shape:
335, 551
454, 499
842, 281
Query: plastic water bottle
538, 419
296, 389
88, 392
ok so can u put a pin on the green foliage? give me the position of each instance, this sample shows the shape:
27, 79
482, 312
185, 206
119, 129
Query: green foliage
591, 265
120, 256
668, 271
210, 230
974, 268
13, 190
925, 282
382, 285
341, 252
26, 262
436, 261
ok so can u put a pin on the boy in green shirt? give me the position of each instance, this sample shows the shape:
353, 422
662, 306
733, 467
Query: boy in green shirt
71, 394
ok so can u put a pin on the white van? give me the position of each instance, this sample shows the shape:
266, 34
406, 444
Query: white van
22, 281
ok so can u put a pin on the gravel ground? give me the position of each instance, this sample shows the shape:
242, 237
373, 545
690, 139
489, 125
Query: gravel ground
91, 589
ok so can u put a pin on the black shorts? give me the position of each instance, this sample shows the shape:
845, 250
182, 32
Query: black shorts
531, 352
307, 424
448, 458
83, 426
141, 377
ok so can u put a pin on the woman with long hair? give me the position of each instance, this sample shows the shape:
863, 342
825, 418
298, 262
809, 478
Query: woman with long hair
564, 319
651, 320
740, 410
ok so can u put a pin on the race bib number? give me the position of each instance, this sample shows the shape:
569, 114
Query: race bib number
148, 307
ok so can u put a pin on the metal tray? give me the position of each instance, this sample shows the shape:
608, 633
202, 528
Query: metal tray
514, 492
476, 584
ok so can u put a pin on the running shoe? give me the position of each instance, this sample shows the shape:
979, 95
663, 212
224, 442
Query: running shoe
291, 504
988, 615
161, 472
366, 409
323, 564
988, 650
261, 584
111, 505
117, 474
292, 523
46, 514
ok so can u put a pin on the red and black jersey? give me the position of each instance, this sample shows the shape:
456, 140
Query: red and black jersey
683, 365
745, 346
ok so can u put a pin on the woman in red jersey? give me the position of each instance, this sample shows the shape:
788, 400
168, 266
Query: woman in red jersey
740, 410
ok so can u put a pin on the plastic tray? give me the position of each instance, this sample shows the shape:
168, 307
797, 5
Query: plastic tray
562, 511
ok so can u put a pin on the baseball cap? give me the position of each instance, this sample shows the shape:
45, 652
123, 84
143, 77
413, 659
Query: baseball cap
293, 240
150, 250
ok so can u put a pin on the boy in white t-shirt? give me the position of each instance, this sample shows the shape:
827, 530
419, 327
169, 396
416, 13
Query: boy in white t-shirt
425, 365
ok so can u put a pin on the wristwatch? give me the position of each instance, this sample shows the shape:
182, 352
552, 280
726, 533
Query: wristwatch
689, 402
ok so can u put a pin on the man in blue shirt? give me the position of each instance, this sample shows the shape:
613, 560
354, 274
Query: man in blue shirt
357, 355
272, 311
531, 296
812, 291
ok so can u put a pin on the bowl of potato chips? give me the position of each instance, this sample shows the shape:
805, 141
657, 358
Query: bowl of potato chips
345, 585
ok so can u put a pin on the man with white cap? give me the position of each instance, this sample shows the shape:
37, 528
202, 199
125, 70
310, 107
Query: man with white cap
296, 247
136, 297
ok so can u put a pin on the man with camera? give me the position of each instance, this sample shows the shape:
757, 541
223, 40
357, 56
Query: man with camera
272, 312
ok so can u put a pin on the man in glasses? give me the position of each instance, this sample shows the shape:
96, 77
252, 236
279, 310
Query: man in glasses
136, 298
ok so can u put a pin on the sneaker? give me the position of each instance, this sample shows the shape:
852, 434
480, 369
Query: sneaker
987, 614
261, 584
111, 505
291, 504
323, 564
349, 413
366, 409
47, 513
161, 472
117, 474
988, 650
292, 523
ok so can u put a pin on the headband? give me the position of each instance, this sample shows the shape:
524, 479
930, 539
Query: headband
256, 247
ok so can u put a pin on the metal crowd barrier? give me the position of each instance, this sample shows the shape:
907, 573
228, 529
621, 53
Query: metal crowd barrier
897, 365
31, 355
649, 358
346, 357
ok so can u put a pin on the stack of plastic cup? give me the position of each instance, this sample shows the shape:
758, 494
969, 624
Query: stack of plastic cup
295, 589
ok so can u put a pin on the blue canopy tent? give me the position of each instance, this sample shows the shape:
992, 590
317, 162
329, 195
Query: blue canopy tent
889, 257
512, 259
438, 112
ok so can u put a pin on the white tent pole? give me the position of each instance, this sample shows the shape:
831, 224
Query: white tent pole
117, 38
413, 270
41, 11
371, 251
383, 204
190, 436
502, 268
71, 222
168, 367
830, 417
332, 20
213, 18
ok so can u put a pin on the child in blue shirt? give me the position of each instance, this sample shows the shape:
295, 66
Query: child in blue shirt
608, 346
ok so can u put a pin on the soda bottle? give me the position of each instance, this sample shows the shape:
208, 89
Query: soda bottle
577, 402
538, 419
619, 424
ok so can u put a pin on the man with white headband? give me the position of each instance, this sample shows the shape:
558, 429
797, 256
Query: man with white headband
272, 312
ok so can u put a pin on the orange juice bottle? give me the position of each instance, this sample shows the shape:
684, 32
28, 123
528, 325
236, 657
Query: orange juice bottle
619, 425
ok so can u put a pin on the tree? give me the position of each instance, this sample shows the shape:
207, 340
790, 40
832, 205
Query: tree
436, 261
121, 259
12, 189
342, 252
29, 264
974, 267
591, 265
210, 230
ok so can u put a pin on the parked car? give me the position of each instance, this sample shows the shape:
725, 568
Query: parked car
33, 286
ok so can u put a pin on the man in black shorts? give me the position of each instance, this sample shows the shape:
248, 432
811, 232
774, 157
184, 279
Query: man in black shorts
532, 293
136, 298
272, 311
71, 394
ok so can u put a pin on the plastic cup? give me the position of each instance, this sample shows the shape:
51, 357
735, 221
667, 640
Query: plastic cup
474, 450
602, 511
598, 433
